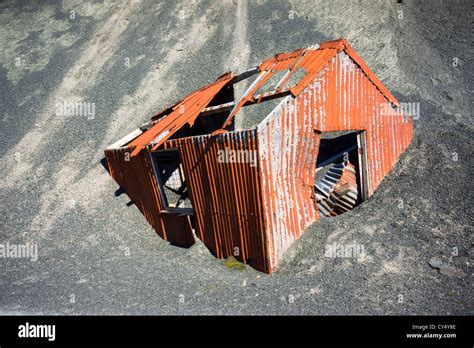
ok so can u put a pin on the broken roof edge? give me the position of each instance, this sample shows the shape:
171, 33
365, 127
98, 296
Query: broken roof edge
256, 127
338, 45
168, 121
176, 142
183, 112
313, 63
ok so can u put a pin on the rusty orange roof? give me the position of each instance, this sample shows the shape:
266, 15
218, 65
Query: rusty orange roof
312, 59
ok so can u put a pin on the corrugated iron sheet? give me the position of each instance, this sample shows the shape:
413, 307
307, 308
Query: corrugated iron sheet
184, 112
225, 195
338, 190
345, 99
340, 98
312, 60
136, 177
255, 211
288, 149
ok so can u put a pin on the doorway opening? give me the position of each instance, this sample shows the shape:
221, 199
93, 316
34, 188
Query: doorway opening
339, 173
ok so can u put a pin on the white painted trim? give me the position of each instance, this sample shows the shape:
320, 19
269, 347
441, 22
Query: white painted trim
126, 139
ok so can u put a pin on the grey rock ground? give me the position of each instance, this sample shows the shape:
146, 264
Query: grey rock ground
54, 191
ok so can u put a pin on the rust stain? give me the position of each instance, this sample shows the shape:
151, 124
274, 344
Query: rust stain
253, 208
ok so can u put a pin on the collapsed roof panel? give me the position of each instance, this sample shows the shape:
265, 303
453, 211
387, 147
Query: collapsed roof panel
184, 112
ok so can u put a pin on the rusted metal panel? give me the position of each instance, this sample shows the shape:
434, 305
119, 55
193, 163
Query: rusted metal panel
136, 177
338, 189
311, 60
184, 112
223, 180
288, 150
340, 98
254, 210
179, 228
345, 99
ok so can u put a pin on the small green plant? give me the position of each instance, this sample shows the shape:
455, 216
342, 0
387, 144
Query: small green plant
232, 263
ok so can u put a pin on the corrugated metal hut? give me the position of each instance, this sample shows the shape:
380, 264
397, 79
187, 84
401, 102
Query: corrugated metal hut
250, 193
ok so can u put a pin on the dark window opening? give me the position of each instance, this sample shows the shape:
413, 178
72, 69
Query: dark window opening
170, 177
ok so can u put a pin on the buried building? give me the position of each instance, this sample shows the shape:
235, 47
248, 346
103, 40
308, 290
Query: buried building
250, 193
